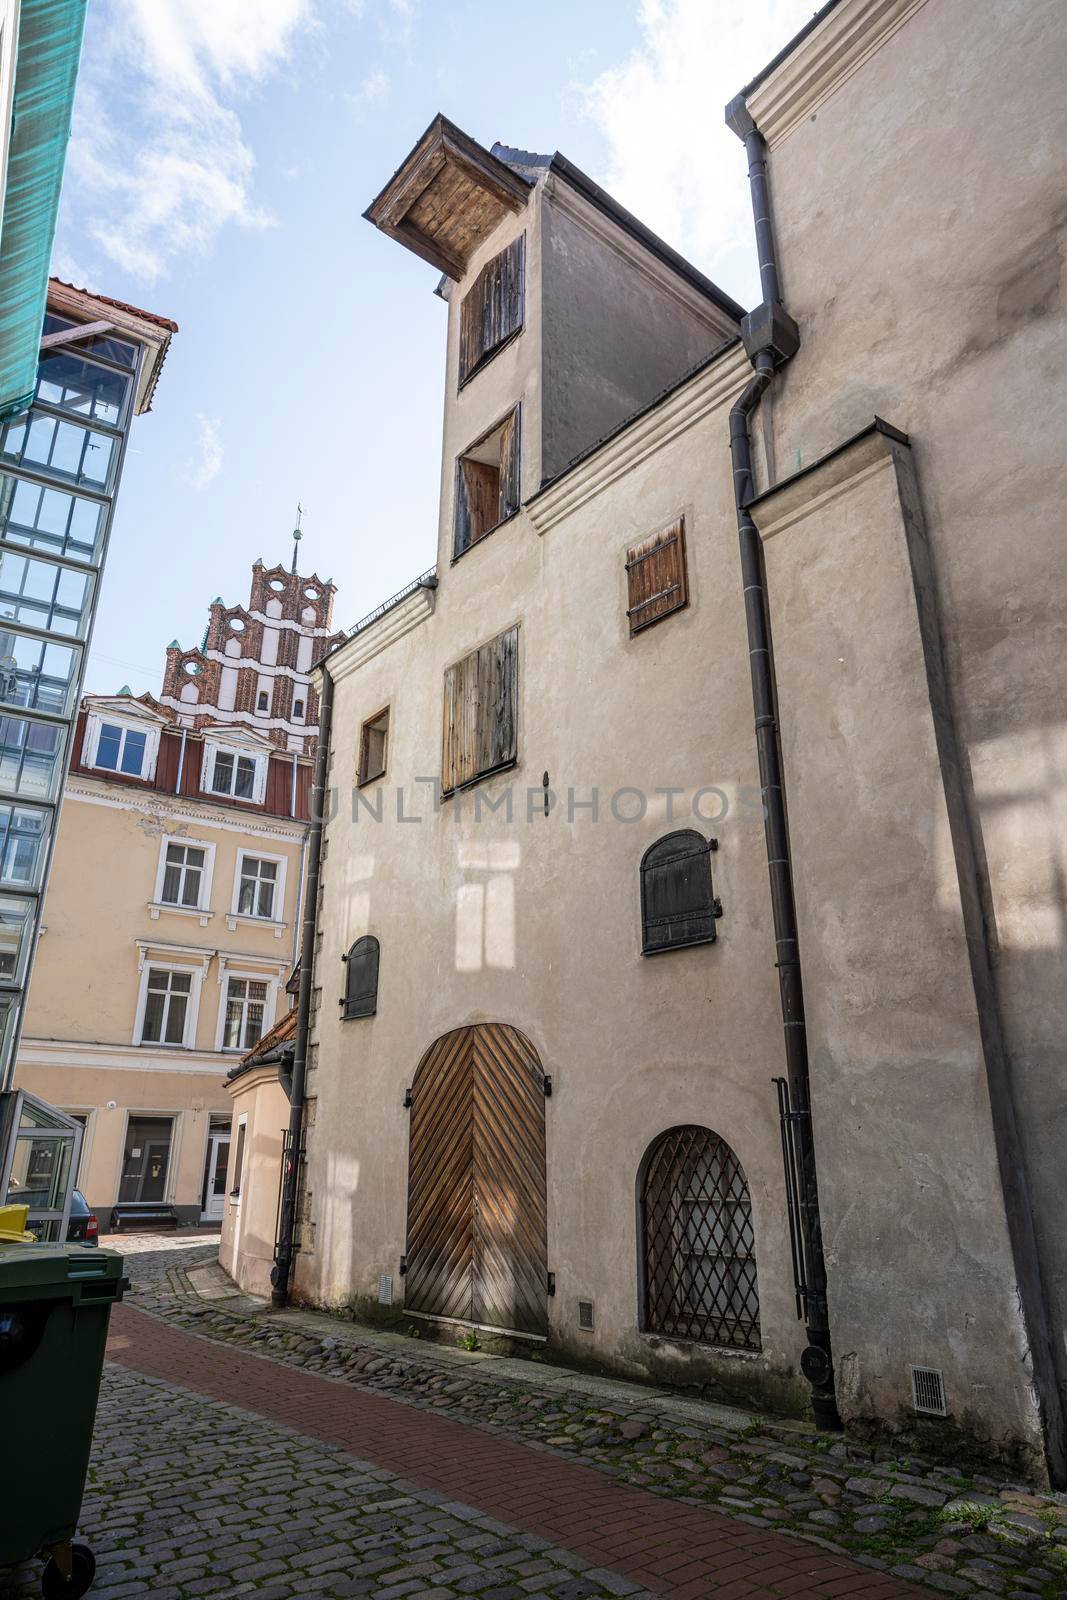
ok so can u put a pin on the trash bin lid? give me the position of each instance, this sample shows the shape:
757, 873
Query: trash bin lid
59, 1271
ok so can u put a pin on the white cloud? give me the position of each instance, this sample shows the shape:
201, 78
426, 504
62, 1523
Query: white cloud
673, 162
205, 467
373, 89
159, 162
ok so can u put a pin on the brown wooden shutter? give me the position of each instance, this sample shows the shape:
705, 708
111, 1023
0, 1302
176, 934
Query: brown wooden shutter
480, 712
462, 537
492, 308
509, 466
657, 583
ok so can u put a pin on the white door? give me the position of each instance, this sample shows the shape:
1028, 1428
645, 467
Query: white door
218, 1159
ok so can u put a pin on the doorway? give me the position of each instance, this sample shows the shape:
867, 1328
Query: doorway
213, 1199
146, 1160
477, 1247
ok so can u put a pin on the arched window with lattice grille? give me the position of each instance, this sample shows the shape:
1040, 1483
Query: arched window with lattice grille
698, 1257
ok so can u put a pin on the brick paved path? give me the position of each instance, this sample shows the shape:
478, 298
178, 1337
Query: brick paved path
631, 1539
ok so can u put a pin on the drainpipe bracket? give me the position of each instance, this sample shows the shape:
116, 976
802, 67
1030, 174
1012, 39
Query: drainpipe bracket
770, 327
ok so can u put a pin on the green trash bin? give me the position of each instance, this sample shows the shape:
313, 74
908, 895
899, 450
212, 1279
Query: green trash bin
55, 1303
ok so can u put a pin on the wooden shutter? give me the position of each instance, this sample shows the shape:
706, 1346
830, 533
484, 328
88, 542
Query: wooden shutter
480, 712
361, 978
462, 535
509, 466
477, 1232
482, 482
492, 308
657, 583
678, 906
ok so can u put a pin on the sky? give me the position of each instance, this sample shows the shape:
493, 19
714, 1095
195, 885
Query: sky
222, 154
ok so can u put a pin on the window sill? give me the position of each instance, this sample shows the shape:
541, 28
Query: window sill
488, 534
689, 1346
483, 777
234, 917
156, 906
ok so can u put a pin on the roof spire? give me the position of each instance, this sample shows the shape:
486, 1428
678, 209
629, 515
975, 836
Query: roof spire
297, 535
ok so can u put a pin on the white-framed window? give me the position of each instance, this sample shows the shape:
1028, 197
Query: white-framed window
183, 877
245, 1021
247, 1006
234, 773
259, 886
167, 1005
126, 748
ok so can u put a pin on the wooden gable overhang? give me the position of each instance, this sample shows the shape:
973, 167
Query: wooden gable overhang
447, 198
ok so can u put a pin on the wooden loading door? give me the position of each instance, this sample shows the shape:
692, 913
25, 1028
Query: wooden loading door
477, 1234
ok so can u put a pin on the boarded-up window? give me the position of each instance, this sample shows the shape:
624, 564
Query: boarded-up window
487, 483
678, 906
480, 713
361, 978
492, 308
656, 577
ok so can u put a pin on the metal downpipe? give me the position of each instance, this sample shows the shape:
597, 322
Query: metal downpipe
772, 333
281, 1274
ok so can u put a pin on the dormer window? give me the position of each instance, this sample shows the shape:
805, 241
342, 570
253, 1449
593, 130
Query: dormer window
233, 773
492, 309
124, 748
487, 483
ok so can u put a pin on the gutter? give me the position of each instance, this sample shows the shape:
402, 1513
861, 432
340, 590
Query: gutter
771, 338
284, 1249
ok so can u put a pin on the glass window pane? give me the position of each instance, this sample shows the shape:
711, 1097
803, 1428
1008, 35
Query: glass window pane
222, 776
108, 745
191, 889
153, 1016
180, 982
133, 750
176, 1019
67, 380
50, 519
29, 757
43, 596
171, 882
246, 772
37, 674
65, 448
16, 925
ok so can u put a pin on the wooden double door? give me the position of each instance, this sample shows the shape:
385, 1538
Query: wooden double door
477, 1234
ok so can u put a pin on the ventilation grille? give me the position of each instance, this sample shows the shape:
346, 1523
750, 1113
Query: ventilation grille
385, 1289
928, 1391
585, 1315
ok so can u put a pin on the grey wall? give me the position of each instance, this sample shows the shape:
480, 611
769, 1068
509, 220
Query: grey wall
929, 287
617, 328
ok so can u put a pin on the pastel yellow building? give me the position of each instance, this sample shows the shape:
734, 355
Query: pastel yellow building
172, 916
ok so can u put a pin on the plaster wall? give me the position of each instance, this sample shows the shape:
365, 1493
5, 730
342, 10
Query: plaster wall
88, 1088
927, 279
920, 1263
246, 1248
617, 327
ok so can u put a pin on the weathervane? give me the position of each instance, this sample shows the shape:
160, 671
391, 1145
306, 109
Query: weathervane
297, 535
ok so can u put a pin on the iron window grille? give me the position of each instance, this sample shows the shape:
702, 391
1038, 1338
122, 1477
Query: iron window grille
698, 1274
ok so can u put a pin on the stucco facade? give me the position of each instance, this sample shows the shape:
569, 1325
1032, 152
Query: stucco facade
171, 922
916, 691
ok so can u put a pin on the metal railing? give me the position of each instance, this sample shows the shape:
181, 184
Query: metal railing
426, 580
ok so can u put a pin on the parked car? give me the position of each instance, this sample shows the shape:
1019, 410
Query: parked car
83, 1227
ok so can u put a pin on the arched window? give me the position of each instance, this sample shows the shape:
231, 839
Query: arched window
698, 1262
361, 978
678, 907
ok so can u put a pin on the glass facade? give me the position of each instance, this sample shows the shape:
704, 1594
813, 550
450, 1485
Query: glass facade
60, 463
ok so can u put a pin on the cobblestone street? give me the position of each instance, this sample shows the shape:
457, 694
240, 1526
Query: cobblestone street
239, 1453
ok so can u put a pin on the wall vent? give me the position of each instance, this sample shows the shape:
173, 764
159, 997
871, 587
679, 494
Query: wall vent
385, 1289
928, 1391
585, 1315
